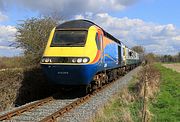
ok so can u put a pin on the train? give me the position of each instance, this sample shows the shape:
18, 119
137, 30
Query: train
81, 53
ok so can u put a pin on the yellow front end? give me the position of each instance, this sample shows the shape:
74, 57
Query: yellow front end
58, 61
89, 50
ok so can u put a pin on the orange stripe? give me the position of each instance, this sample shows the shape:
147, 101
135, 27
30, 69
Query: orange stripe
96, 59
106, 41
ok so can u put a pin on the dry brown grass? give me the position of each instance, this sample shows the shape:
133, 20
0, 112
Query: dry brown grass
152, 75
174, 66
10, 62
2, 65
147, 88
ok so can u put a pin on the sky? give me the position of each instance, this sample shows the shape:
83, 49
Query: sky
153, 24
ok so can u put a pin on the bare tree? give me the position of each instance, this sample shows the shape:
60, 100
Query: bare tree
140, 50
178, 57
150, 58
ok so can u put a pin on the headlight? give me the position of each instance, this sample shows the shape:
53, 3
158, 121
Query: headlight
42, 60
46, 60
85, 60
65, 60
74, 60
79, 60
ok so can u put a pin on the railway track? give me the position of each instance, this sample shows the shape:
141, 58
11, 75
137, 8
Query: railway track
48, 109
72, 105
23, 109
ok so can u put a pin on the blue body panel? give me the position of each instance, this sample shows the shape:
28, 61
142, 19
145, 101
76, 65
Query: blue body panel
71, 74
111, 59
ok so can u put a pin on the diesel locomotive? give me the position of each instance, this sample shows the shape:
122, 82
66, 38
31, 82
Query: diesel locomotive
81, 53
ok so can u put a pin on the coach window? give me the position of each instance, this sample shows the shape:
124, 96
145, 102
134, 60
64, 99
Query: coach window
98, 42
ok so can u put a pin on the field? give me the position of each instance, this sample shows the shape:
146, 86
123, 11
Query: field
10, 62
174, 66
166, 106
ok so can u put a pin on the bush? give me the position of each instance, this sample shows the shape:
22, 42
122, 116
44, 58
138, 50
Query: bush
32, 36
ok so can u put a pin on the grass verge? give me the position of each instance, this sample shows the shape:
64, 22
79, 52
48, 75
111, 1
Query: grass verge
166, 107
118, 109
161, 100
130, 104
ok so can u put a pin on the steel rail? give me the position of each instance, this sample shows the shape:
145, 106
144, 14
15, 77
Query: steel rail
73, 105
25, 108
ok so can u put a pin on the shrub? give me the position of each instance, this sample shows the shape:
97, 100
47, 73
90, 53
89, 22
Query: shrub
32, 36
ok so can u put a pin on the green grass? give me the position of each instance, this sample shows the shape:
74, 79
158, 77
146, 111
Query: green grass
135, 109
113, 113
166, 108
171, 62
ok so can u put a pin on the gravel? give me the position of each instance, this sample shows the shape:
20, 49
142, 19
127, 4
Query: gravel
87, 111
42, 111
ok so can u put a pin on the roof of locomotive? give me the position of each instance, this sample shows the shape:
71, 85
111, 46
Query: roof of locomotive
84, 24
76, 24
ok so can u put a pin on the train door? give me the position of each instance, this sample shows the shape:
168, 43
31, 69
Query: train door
123, 49
124, 54
119, 55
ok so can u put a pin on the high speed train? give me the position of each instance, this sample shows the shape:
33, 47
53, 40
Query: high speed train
81, 53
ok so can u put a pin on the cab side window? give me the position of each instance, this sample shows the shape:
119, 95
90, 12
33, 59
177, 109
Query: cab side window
98, 41
101, 40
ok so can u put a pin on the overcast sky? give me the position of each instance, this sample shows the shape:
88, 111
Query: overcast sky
154, 24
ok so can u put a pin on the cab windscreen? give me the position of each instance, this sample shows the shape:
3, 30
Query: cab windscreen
69, 38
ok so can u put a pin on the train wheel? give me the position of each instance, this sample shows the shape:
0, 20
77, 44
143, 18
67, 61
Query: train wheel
106, 79
86, 89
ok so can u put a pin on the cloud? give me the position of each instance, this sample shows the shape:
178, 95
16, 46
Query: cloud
10, 51
69, 8
79, 16
7, 47
7, 37
3, 17
161, 49
7, 33
160, 39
